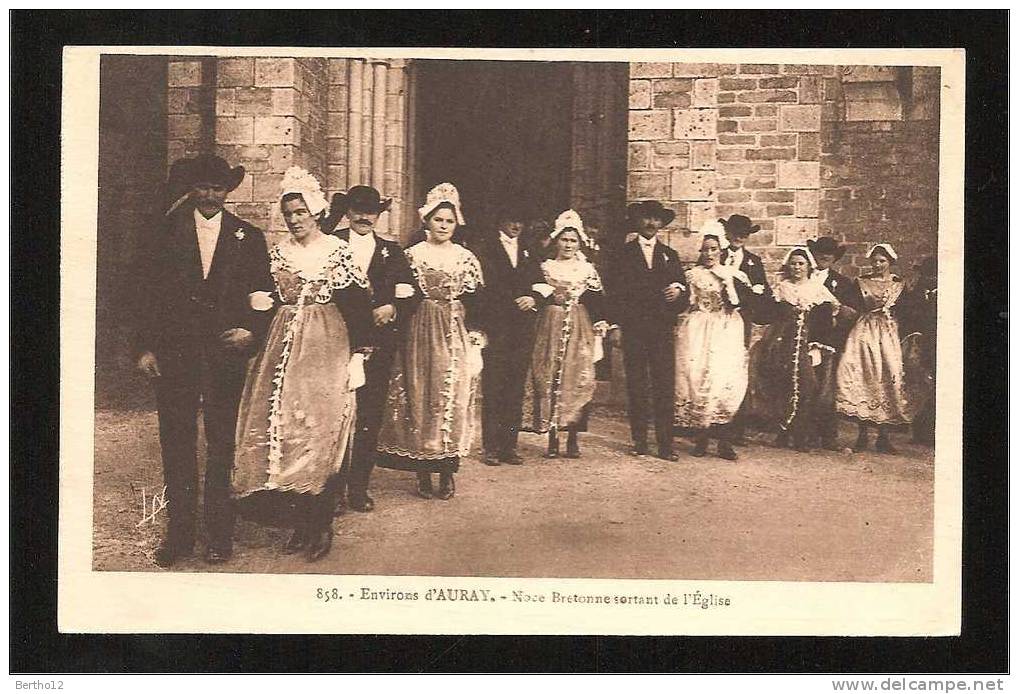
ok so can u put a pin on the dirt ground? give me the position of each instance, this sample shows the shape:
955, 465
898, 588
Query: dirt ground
773, 515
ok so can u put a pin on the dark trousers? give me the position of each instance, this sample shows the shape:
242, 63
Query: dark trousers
827, 419
213, 380
737, 427
649, 358
371, 399
507, 357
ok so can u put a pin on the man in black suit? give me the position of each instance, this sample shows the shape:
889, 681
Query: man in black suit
195, 332
738, 229
508, 319
648, 284
386, 266
827, 252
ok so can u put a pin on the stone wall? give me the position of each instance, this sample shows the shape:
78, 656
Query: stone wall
711, 140
190, 106
879, 163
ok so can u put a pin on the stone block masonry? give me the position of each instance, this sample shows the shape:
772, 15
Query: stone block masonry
804, 150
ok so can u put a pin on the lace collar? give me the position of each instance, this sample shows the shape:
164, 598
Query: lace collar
312, 259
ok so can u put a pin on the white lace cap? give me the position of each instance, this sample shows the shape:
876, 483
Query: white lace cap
302, 182
713, 227
806, 251
886, 247
570, 219
442, 193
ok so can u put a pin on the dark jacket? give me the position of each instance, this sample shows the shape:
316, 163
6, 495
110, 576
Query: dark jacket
840, 286
750, 302
388, 268
176, 307
635, 293
504, 283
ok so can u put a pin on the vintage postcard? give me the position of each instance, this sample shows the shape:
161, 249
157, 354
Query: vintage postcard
472, 341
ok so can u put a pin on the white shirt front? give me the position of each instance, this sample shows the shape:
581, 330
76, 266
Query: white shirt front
363, 248
821, 275
647, 247
509, 244
735, 257
208, 235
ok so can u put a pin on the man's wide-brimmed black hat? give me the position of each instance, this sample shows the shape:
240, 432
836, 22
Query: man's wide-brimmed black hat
739, 225
360, 198
826, 245
649, 208
207, 168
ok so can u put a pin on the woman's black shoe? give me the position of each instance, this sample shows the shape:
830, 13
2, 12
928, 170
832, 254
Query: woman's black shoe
447, 487
425, 485
553, 446
862, 442
726, 451
883, 445
320, 543
700, 448
297, 541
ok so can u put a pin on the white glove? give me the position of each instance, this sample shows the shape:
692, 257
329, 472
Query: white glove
260, 301
355, 371
815, 356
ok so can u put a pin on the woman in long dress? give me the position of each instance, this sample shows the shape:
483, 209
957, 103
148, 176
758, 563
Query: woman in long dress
711, 359
428, 420
560, 381
297, 410
870, 380
787, 362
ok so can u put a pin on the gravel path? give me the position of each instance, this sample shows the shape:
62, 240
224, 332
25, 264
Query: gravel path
774, 515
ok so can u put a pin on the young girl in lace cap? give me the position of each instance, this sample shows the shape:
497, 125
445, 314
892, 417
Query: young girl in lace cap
560, 381
711, 359
787, 362
870, 377
428, 419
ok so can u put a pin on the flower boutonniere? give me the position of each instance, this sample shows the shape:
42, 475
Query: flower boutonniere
239, 234
750, 262
384, 252
834, 283
527, 254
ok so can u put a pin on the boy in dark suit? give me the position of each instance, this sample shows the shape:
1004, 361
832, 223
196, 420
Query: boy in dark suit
508, 313
386, 267
827, 252
195, 332
648, 286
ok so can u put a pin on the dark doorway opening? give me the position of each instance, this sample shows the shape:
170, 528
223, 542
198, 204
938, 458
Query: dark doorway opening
132, 172
501, 132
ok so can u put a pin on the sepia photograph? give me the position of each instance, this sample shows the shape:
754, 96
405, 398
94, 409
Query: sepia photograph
457, 315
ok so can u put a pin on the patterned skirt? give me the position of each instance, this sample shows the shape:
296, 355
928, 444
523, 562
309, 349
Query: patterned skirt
560, 379
428, 418
711, 368
296, 417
